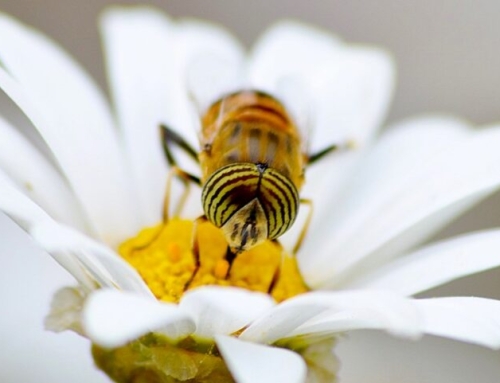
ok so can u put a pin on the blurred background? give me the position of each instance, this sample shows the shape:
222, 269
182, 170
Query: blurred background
448, 58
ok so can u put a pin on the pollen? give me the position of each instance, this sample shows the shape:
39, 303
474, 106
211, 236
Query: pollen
181, 254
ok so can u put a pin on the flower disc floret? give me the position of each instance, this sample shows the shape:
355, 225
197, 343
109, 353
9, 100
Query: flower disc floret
164, 256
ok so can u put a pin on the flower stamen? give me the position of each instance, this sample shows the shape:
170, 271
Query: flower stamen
164, 257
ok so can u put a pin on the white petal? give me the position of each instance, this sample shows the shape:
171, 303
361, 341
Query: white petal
290, 49
17, 205
399, 150
88, 261
29, 353
332, 323
112, 318
393, 157
39, 179
436, 264
72, 117
250, 363
222, 310
455, 176
473, 320
138, 47
352, 99
351, 104
391, 312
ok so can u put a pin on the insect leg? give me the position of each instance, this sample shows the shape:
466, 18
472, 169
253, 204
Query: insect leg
314, 157
277, 273
169, 137
196, 249
229, 257
303, 232
186, 180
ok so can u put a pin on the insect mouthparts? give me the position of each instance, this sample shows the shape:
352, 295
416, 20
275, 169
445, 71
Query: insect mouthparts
261, 167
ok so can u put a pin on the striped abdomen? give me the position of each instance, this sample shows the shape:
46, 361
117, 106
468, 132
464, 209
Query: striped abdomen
250, 202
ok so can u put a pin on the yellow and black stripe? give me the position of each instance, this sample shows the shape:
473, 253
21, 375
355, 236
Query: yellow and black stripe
235, 185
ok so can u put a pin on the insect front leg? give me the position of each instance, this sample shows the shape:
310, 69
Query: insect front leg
169, 139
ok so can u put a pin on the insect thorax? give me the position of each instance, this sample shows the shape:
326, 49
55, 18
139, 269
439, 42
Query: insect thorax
251, 127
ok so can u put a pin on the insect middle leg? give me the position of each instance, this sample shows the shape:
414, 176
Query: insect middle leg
306, 225
297, 245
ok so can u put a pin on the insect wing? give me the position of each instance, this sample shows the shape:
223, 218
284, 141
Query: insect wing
295, 95
210, 77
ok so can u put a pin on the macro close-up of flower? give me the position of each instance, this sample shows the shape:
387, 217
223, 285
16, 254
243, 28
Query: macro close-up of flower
153, 288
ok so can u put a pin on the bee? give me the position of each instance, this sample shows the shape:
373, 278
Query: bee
252, 168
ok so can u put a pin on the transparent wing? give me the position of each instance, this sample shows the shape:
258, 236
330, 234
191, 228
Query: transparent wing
295, 95
210, 77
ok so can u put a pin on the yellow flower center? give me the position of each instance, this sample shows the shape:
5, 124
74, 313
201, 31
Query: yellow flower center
164, 257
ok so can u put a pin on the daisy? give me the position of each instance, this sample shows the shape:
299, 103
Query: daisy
92, 194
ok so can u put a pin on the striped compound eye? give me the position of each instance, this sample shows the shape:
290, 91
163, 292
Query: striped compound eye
250, 202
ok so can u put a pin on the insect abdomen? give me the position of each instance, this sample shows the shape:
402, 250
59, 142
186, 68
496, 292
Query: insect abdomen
235, 185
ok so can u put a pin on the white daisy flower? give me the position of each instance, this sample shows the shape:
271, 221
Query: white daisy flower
92, 196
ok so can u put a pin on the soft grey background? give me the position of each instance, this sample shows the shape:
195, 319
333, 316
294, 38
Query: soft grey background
448, 58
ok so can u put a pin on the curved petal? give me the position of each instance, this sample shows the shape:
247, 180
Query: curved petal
473, 320
288, 54
350, 106
223, 310
28, 278
112, 318
389, 311
29, 168
352, 101
17, 205
401, 149
249, 362
72, 117
454, 176
335, 322
138, 47
435, 264
91, 263
348, 88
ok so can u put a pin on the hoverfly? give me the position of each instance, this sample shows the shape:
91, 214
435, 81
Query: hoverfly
252, 168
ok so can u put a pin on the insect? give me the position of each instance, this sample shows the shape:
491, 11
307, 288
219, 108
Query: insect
252, 168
